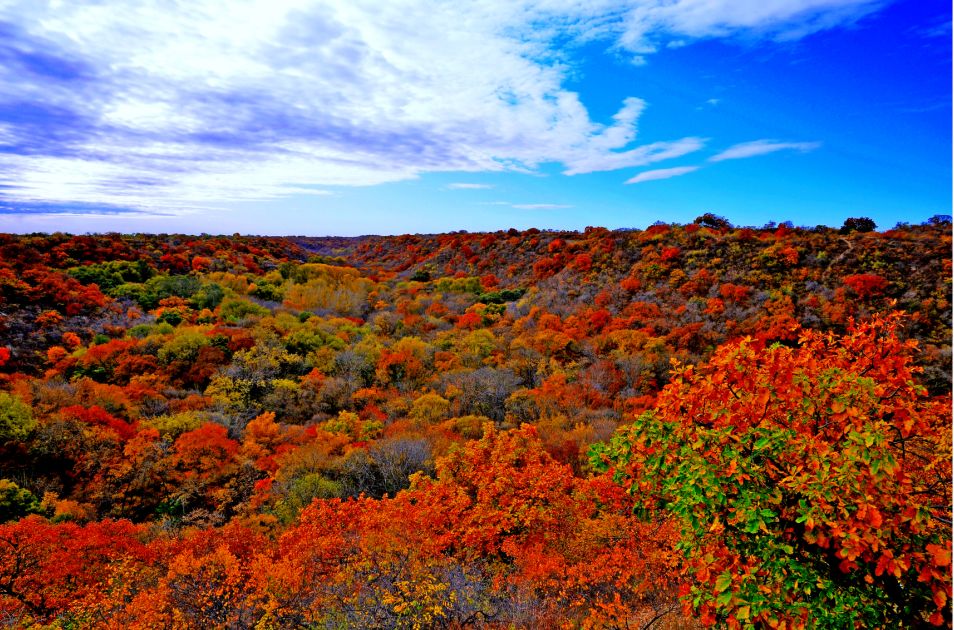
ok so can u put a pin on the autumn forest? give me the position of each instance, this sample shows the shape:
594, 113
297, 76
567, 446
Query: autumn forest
684, 426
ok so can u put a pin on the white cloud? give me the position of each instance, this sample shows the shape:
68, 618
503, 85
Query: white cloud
662, 173
651, 23
640, 156
467, 186
762, 147
177, 104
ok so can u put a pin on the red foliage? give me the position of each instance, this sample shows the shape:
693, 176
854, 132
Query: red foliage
201, 263
582, 263
630, 284
866, 285
204, 452
97, 416
469, 321
546, 267
489, 281
47, 569
517, 517
734, 293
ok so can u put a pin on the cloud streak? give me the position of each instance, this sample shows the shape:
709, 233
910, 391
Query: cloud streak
649, 25
467, 186
661, 173
173, 106
762, 147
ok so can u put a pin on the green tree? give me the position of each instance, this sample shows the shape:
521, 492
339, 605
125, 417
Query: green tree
16, 419
16, 502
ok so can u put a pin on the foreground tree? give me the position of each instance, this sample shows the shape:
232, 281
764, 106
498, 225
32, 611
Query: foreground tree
504, 535
66, 571
812, 483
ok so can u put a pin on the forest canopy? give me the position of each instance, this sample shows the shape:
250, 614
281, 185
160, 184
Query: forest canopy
685, 425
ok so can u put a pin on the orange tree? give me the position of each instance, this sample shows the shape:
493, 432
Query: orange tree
504, 536
812, 482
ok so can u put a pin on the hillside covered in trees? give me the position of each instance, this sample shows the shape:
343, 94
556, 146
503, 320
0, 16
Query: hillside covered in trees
681, 426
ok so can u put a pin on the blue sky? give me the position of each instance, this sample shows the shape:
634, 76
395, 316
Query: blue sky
360, 117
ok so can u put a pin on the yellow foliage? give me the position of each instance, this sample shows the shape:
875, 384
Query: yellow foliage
429, 408
174, 425
338, 289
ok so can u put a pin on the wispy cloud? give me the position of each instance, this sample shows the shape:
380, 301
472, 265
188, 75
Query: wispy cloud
661, 173
940, 28
591, 162
650, 24
177, 105
466, 186
72, 209
762, 147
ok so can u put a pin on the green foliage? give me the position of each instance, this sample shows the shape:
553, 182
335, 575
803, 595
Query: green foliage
299, 492
184, 346
16, 502
172, 317
858, 224
267, 291
173, 286
135, 292
346, 423
157, 288
110, 275
500, 297
209, 296
16, 418
459, 285
234, 310
307, 340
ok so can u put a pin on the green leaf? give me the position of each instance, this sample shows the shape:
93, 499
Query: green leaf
723, 582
